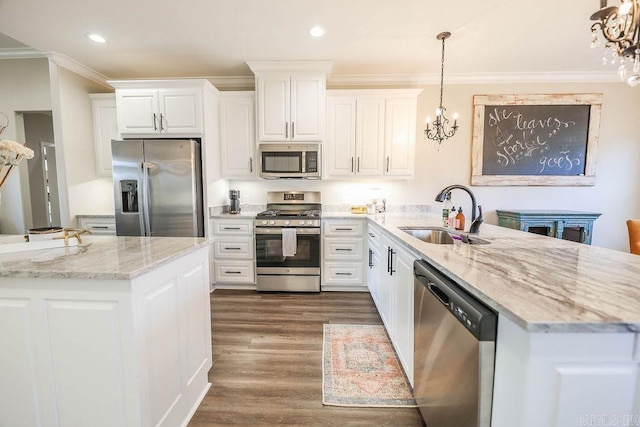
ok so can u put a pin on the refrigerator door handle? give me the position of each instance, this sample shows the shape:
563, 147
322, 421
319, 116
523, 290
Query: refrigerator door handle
145, 194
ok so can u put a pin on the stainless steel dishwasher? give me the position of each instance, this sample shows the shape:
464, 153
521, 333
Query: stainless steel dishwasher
454, 352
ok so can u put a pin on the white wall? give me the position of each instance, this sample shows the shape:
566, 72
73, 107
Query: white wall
87, 193
617, 177
24, 86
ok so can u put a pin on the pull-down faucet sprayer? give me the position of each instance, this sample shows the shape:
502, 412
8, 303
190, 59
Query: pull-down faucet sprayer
475, 222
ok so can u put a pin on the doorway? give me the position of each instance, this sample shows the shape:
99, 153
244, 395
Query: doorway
42, 169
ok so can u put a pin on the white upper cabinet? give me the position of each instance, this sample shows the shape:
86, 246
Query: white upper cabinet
105, 128
237, 135
290, 100
370, 133
166, 107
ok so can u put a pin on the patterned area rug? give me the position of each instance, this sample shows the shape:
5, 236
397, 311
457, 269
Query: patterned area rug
360, 368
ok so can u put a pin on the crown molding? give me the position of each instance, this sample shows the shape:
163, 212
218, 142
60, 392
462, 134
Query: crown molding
413, 80
72, 65
233, 82
290, 66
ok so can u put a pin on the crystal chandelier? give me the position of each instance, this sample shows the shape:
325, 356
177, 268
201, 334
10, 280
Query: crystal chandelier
440, 131
620, 27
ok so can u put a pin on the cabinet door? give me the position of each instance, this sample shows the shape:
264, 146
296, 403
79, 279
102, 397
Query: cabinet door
181, 111
273, 101
386, 288
370, 137
400, 135
138, 111
237, 136
307, 108
340, 144
402, 332
105, 128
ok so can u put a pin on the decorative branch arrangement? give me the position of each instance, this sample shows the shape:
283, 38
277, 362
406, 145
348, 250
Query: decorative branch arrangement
11, 153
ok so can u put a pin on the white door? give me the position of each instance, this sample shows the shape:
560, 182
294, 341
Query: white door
370, 137
237, 136
273, 100
403, 320
340, 144
181, 111
138, 111
307, 108
400, 134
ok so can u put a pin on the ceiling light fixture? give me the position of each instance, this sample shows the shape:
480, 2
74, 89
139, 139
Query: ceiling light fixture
439, 132
96, 38
620, 27
316, 31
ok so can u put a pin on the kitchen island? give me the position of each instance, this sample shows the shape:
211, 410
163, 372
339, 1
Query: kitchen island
568, 345
114, 332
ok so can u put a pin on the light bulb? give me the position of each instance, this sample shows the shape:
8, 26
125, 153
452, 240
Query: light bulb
636, 64
624, 8
438, 112
428, 120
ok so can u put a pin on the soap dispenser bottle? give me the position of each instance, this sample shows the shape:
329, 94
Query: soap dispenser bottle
460, 220
452, 218
446, 208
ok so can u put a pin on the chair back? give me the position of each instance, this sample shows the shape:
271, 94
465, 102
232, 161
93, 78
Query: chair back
634, 235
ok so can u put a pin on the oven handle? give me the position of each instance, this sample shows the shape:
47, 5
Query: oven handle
302, 231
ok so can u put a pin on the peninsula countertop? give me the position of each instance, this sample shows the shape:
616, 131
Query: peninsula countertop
99, 257
541, 283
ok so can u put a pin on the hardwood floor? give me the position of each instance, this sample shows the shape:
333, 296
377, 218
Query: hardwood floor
267, 361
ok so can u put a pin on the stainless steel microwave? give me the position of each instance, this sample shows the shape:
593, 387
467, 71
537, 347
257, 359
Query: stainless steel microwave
298, 161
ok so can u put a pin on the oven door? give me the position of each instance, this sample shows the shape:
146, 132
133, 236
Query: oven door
269, 258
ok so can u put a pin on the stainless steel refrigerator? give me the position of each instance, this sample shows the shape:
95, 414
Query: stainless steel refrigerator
158, 187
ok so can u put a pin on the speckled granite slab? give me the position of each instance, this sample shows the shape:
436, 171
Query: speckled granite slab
100, 257
541, 283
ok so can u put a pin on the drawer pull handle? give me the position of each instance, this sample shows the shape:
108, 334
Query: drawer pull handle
372, 235
231, 228
102, 227
344, 249
233, 272
344, 229
232, 249
343, 274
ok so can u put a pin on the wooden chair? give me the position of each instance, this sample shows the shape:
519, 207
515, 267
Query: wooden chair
634, 235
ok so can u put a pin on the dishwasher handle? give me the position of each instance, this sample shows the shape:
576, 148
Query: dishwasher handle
439, 294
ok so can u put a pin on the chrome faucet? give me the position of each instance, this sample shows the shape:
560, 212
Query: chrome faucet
475, 222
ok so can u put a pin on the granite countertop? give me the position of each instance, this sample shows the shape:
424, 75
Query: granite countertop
541, 283
99, 257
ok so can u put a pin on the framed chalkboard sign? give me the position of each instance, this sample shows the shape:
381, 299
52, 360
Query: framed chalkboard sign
535, 139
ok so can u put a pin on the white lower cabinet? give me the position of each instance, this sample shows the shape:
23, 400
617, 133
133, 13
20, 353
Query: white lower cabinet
103, 225
233, 264
392, 285
343, 255
80, 352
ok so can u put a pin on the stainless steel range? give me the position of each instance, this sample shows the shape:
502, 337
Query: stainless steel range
288, 242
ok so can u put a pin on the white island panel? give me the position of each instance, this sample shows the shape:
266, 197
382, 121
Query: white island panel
132, 350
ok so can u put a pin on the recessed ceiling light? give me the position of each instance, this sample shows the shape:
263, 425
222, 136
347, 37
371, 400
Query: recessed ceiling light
316, 31
96, 38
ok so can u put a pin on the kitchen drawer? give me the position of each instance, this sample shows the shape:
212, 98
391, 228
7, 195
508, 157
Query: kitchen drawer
343, 228
347, 273
96, 225
232, 226
343, 249
233, 248
234, 272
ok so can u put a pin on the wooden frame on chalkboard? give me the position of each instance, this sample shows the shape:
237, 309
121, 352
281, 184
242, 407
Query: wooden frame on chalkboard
591, 128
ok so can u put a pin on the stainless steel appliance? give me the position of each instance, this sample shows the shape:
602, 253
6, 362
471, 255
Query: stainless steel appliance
288, 242
454, 339
301, 161
234, 201
158, 187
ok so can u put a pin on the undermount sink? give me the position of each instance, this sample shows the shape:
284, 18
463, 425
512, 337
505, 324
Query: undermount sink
441, 235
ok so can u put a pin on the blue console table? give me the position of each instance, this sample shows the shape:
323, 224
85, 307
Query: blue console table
569, 225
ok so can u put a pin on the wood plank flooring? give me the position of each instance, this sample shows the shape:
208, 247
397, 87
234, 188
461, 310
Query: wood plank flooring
267, 361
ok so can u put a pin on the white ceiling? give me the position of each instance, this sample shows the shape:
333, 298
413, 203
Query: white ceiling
207, 38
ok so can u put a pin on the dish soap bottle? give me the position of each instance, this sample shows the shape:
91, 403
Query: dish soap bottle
452, 218
446, 209
460, 220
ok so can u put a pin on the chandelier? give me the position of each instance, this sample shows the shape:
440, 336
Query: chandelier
620, 27
440, 130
